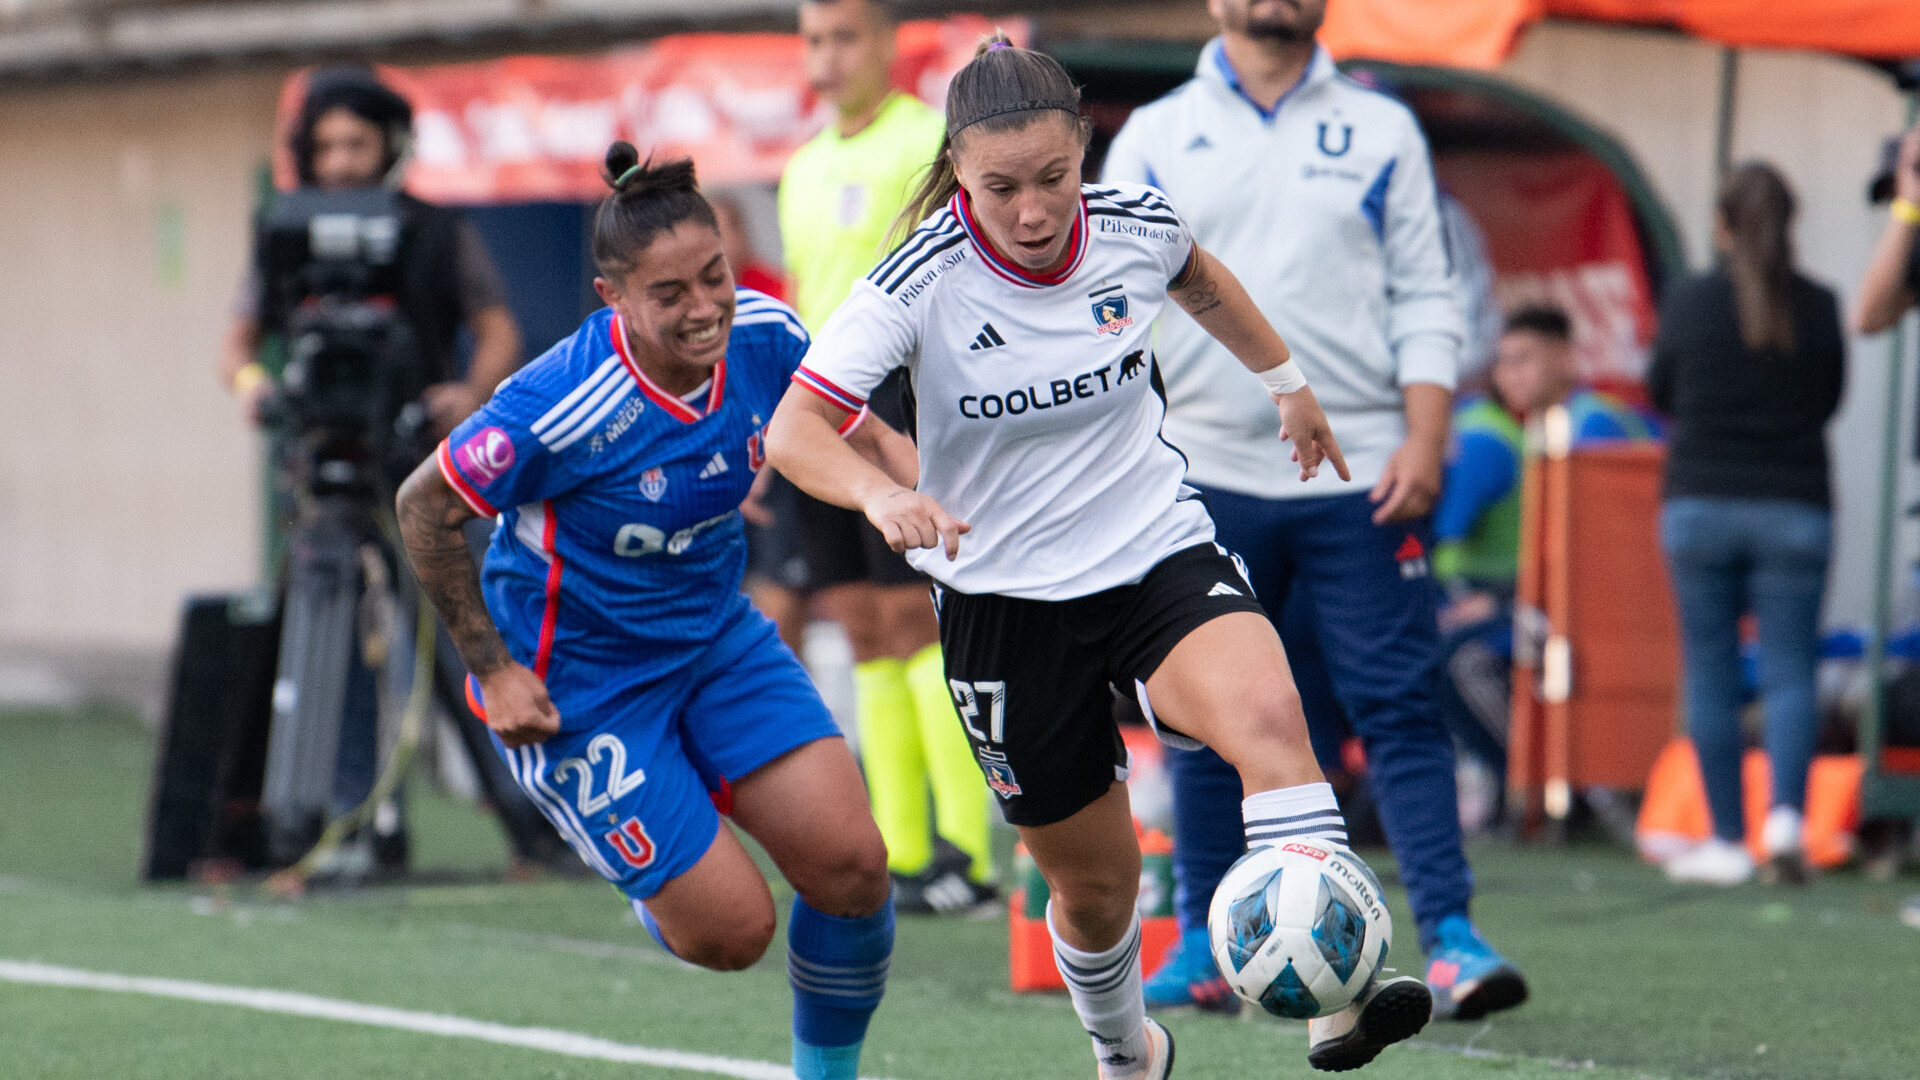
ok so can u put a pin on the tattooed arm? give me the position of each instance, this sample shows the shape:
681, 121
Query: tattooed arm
431, 516
1209, 292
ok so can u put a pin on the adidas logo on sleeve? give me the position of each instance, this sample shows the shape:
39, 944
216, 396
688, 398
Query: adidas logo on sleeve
716, 466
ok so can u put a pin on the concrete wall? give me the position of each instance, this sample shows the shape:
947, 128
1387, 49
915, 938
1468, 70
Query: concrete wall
1821, 120
127, 478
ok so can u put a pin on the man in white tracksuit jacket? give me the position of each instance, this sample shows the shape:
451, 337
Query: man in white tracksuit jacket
1319, 194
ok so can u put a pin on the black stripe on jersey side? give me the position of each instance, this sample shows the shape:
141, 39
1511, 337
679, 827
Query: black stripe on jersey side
1157, 219
900, 278
912, 243
1159, 431
910, 411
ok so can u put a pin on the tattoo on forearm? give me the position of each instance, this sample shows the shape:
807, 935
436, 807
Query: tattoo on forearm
430, 519
1201, 298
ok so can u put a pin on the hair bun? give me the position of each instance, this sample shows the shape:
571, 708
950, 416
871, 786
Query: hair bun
628, 175
996, 40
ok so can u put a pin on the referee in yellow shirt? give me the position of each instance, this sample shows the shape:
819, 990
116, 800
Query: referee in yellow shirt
838, 199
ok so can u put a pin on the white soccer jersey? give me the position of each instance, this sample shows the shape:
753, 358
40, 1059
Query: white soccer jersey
1037, 402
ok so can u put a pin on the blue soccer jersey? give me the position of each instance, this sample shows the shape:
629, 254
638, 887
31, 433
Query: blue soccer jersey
619, 538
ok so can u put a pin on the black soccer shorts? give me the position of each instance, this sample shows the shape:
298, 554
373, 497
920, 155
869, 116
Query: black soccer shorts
1034, 679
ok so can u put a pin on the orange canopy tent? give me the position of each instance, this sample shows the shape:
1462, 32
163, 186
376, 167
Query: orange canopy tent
1481, 33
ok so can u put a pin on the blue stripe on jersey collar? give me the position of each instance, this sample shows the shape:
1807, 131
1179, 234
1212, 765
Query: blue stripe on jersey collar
1314, 69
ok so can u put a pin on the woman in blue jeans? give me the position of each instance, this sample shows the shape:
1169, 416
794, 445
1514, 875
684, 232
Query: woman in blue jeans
1749, 364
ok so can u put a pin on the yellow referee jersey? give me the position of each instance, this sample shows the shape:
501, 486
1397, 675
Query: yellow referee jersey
838, 199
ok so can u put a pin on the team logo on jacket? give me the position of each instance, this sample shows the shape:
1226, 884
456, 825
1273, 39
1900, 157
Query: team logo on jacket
1326, 136
486, 456
1110, 313
1412, 558
653, 483
999, 773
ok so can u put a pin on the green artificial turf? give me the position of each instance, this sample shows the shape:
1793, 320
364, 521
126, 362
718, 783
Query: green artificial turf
1632, 977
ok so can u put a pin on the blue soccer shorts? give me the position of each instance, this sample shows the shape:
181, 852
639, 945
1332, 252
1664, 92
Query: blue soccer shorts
637, 782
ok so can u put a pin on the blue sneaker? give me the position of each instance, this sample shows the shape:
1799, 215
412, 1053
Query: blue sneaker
1468, 978
1188, 976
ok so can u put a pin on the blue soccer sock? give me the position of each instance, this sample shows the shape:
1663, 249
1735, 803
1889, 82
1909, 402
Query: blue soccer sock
838, 968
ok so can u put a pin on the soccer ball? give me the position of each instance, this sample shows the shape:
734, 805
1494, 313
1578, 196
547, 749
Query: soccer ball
1299, 928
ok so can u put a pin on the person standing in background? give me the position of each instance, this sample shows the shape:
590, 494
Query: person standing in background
1749, 364
1476, 526
353, 132
1892, 281
1318, 193
838, 200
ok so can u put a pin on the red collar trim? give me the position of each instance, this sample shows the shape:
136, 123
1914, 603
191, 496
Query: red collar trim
674, 407
962, 207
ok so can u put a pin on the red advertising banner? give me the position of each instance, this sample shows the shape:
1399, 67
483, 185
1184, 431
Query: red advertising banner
535, 128
1560, 229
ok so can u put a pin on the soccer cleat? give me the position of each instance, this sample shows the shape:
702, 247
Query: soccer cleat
1467, 977
1189, 976
1712, 862
944, 888
1158, 1064
1390, 1010
1780, 836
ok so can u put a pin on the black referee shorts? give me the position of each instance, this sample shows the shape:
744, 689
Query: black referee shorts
1034, 679
841, 546
773, 551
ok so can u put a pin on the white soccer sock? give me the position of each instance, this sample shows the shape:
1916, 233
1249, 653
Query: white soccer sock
1305, 812
1105, 987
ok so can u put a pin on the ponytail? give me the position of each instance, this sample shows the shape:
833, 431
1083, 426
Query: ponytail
1757, 208
647, 199
1003, 88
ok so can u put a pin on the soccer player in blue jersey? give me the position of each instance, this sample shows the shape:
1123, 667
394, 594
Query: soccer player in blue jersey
634, 692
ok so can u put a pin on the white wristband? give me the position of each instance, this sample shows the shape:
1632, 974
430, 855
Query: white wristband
1284, 379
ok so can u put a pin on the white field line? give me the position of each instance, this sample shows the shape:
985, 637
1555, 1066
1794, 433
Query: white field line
569, 1043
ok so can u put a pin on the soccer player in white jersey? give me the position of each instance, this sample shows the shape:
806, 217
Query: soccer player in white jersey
1070, 557
1319, 192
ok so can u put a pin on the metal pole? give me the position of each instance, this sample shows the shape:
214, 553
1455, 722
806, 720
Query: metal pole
1723, 132
1871, 731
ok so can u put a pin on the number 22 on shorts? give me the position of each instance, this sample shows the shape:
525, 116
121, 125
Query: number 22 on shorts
630, 838
968, 696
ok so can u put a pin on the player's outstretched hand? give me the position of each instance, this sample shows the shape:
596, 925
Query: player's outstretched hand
518, 709
910, 520
1303, 423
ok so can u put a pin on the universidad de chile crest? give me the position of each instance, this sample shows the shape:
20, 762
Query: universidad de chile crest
653, 483
1110, 313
